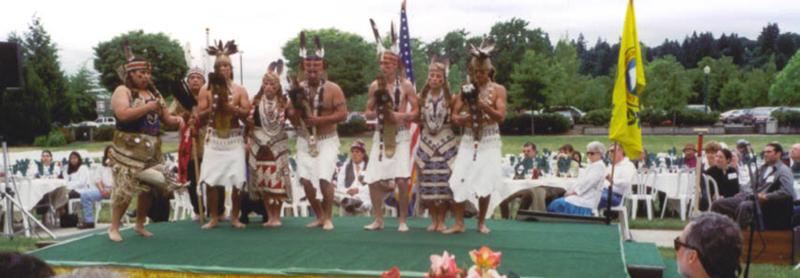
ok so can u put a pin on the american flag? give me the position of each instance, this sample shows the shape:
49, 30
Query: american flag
405, 55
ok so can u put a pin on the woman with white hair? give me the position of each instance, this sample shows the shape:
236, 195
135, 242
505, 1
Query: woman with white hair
585, 193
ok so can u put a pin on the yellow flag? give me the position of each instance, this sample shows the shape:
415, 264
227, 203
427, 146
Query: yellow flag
625, 127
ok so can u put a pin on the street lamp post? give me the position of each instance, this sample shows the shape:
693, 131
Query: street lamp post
706, 71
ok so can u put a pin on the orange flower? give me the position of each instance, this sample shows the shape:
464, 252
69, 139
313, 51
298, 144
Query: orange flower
485, 259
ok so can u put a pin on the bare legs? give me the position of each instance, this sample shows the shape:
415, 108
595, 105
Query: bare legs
458, 211
322, 210
214, 203
143, 203
273, 205
377, 192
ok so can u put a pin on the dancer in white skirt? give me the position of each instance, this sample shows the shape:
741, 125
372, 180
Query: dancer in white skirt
480, 108
224, 103
316, 106
390, 98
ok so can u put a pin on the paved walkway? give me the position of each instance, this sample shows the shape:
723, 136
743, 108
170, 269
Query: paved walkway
662, 238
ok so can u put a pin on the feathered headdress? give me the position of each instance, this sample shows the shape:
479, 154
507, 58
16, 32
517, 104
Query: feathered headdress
318, 54
222, 51
481, 56
440, 63
132, 62
395, 47
274, 70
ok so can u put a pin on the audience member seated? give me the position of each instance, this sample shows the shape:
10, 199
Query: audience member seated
709, 246
46, 168
525, 196
724, 174
689, 156
79, 182
352, 193
585, 193
624, 172
795, 161
566, 165
774, 190
103, 183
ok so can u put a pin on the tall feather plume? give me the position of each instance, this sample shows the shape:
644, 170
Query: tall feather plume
378, 42
231, 48
395, 45
126, 47
303, 44
485, 50
320, 52
215, 48
279, 67
272, 66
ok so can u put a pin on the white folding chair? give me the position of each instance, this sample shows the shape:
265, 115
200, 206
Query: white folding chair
685, 194
644, 179
297, 207
181, 206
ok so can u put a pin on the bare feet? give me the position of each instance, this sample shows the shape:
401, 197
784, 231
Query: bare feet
210, 225
374, 226
432, 227
441, 228
328, 225
142, 232
456, 229
113, 235
402, 228
238, 225
272, 224
317, 223
483, 229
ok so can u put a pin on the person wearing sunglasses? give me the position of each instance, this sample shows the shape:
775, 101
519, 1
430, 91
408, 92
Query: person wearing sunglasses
709, 246
585, 193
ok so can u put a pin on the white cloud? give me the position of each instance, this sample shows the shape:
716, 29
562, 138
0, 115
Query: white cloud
261, 27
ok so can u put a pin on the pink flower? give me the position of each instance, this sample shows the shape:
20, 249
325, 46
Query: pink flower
443, 266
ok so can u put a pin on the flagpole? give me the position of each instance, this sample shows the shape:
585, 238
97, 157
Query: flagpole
611, 185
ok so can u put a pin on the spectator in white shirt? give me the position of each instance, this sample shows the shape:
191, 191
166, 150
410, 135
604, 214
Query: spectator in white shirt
46, 168
351, 191
624, 171
585, 193
78, 179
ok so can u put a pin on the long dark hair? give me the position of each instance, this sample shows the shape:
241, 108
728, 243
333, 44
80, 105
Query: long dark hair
74, 168
105, 155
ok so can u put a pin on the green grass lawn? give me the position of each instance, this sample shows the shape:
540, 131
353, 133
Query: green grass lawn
756, 270
513, 144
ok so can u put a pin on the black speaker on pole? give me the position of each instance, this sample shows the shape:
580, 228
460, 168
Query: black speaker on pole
10, 65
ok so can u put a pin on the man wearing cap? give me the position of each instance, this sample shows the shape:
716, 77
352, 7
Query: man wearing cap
195, 80
351, 190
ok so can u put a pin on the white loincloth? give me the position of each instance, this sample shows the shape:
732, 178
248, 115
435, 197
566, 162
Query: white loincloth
323, 165
382, 168
478, 177
223, 160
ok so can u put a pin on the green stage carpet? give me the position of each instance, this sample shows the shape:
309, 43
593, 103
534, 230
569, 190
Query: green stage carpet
529, 249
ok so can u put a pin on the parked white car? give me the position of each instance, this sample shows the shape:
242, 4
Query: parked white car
106, 121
